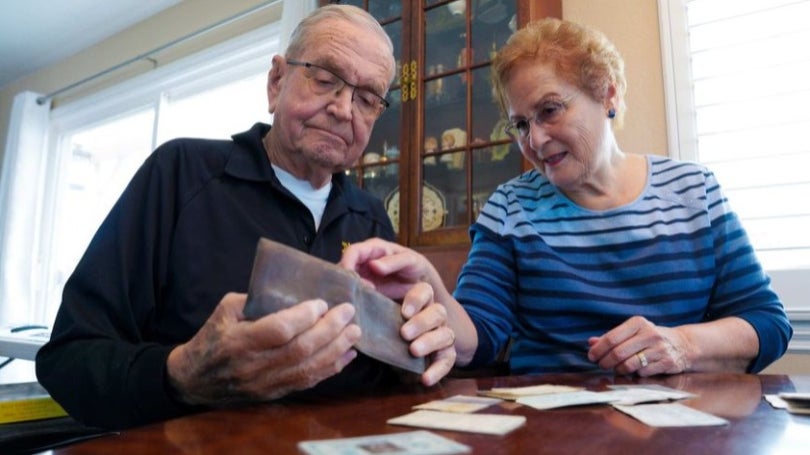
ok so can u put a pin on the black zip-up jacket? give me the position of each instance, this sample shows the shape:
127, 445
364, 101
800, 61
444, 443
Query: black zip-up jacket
182, 235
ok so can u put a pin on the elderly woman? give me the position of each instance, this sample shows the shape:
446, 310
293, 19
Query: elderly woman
596, 258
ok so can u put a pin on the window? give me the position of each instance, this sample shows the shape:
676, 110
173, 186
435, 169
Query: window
736, 72
98, 163
218, 112
97, 143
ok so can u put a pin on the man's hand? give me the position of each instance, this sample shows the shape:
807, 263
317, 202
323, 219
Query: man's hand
232, 359
403, 274
427, 330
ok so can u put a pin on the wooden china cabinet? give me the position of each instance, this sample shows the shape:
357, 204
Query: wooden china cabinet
439, 151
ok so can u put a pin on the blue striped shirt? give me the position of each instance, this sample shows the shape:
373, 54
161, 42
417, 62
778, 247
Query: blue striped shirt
550, 274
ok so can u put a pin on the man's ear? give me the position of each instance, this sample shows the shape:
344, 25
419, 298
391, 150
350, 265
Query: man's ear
274, 82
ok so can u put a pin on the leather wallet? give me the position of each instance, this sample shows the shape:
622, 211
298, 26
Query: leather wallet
283, 276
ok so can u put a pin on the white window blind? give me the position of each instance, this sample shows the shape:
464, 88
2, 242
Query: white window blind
750, 65
737, 74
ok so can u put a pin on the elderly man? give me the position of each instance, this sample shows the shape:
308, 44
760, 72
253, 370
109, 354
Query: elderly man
151, 324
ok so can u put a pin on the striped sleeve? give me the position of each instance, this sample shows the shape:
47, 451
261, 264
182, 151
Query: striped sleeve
551, 274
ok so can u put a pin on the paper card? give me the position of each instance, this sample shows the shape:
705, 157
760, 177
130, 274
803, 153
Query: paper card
776, 402
470, 423
797, 397
561, 400
411, 443
635, 394
670, 415
793, 402
459, 403
657, 387
513, 393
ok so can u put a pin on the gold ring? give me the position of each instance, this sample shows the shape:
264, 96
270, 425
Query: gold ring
642, 358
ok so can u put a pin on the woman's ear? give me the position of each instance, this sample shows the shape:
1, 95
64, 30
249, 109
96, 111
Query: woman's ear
274, 82
611, 101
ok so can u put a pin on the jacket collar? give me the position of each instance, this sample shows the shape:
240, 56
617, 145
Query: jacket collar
249, 161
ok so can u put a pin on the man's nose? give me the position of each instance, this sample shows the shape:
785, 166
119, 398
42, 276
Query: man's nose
341, 104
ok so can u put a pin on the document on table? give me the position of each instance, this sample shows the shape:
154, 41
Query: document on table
635, 394
513, 393
793, 402
670, 415
459, 403
561, 400
470, 423
411, 443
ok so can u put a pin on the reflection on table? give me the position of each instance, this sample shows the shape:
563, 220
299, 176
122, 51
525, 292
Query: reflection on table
754, 426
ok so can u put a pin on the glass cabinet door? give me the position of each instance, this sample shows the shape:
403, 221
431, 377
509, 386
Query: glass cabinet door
464, 153
439, 151
380, 167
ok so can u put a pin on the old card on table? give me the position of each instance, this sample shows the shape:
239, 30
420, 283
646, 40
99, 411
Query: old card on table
513, 393
283, 276
411, 443
459, 403
564, 399
670, 415
471, 423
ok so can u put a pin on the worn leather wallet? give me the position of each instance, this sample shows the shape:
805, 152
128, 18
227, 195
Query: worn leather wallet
283, 276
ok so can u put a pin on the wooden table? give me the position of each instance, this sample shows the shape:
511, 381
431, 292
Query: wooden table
755, 427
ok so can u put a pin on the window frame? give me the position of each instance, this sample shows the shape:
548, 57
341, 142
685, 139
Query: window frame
217, 65
790, 284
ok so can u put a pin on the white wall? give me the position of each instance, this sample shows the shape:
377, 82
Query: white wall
632, 25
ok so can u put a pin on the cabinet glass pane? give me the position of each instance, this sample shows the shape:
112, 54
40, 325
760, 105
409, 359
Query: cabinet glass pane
384, 144
433, 206
486, 116
381, 160
493, 21
386, 133
445, 37
358, 3
446, 176
378, 168
384, 9
492, 166
445, 113
394, 31
381, 179
353, 175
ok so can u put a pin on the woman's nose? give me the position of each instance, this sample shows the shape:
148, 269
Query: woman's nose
538, 135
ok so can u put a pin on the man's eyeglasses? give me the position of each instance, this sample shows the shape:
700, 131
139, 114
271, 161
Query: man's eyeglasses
323, 81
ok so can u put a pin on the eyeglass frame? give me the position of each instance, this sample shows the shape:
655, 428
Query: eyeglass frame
383, 102
538, 118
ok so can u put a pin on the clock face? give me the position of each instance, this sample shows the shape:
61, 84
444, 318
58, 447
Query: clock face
433, 208
392, 207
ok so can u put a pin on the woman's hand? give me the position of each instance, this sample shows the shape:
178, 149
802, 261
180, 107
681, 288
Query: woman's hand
639, 346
